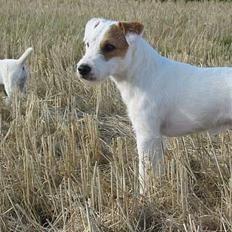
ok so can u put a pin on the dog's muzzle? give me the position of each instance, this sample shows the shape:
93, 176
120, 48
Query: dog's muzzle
84, 69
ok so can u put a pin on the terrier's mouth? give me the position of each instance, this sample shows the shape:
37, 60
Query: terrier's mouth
88, 77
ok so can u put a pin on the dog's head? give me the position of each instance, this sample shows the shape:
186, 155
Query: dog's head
109, 48
14, 73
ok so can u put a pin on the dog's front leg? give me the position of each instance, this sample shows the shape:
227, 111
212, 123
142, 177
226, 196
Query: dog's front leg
150, 153
8, 91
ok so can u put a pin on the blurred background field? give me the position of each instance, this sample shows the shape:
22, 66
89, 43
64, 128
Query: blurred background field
68, 159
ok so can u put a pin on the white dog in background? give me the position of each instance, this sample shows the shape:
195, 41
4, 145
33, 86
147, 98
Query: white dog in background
13, 74
163, 97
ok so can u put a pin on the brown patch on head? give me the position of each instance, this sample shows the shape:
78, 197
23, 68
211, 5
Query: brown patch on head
114, 43
133, 27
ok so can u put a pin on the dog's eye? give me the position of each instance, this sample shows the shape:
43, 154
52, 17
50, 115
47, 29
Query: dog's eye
108, 48
87, 44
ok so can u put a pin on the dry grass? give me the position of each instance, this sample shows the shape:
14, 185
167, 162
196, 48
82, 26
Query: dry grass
67, 152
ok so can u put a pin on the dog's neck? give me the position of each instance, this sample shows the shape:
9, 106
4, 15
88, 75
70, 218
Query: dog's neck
144, 64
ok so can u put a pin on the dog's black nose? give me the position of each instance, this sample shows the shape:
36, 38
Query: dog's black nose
84, 69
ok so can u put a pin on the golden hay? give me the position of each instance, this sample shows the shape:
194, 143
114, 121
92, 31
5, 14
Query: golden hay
67, 152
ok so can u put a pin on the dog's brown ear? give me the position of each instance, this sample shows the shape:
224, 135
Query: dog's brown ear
133, 27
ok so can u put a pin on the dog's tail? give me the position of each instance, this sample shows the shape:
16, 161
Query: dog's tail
24, 56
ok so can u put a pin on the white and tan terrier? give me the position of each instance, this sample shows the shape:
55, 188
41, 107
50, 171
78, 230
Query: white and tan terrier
13, 74
163, 97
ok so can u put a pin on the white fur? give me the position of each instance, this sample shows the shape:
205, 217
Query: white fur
163, 97
13, 74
